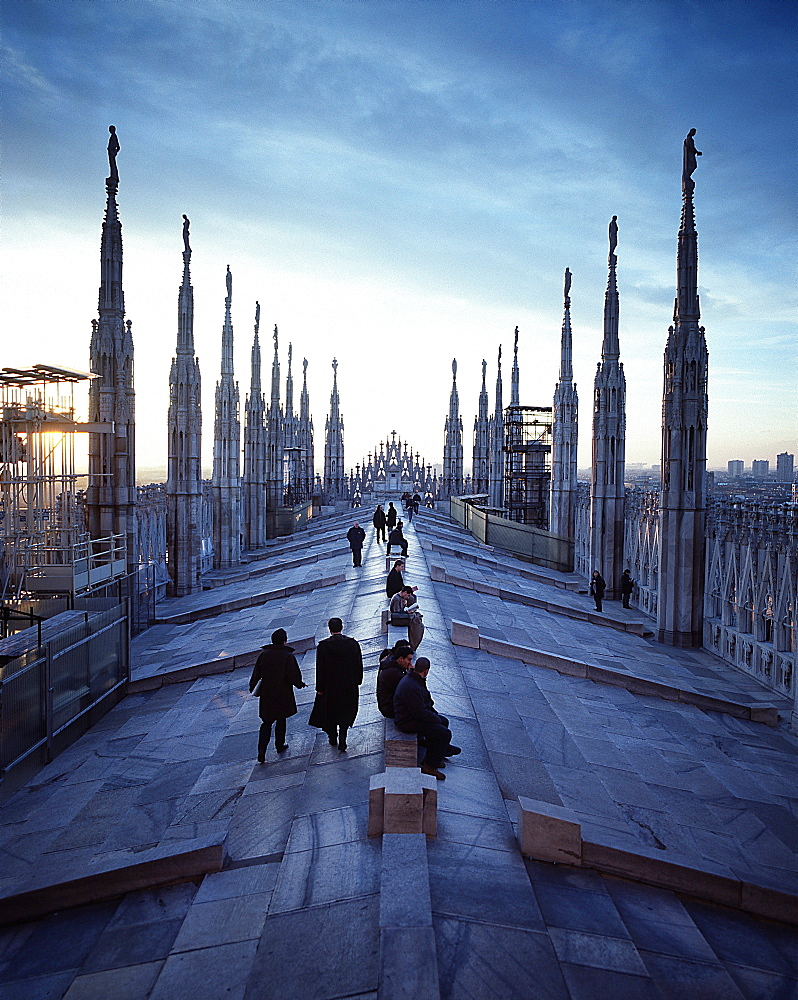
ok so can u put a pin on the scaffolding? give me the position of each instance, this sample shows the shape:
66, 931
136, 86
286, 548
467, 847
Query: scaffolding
527, 464
44, 548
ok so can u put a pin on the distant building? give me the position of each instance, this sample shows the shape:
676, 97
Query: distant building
760, 468
736, 468
785, 467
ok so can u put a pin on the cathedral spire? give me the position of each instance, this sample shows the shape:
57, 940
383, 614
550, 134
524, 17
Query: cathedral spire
564, 432
514, 387
609, 441
275, 371
184, 470
289, 386
682, 515
497, 442
226, 483
481, 454
253, 483
111, 493
305, 436
334, 443
453, 442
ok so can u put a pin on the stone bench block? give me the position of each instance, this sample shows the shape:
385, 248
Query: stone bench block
767, 714
459, 581
465, 634
385, 617
401, 749
437, 574
403, 800
114, 875
548, 832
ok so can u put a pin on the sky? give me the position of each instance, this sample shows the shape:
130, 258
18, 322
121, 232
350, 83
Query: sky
402, 183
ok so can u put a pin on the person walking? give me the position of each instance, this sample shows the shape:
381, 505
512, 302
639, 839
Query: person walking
379, 522
627, 586
275, 675
597, 588
339, 674
414, 712
391, 515
356, 536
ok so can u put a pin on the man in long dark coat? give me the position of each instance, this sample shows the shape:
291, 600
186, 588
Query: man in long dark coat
379, 522
356, 536
278, 672
339, 674
390, 516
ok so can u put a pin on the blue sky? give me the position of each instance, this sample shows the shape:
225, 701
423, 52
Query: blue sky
400, 183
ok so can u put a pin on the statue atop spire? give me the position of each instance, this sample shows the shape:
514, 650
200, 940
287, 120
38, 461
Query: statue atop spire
229, 283
257, 317
567, 291
689, 162
186, 245
113, 149
515, 392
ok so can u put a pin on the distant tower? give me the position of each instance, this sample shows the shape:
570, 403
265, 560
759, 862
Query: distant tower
680, 607
226, 484
253, 483
184, 476
514, 392
305, 436
609, 442
290, 428
564, 433
274, 438
111, 493
334, 444
453, 443
480, 481
497, 443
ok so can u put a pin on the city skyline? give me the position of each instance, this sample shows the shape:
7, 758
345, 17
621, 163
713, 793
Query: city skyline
399, 184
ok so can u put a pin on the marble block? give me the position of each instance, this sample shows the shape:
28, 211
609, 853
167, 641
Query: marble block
549, 833
402, 800
464, 634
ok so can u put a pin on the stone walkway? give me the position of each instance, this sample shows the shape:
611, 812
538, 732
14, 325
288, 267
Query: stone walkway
297, 909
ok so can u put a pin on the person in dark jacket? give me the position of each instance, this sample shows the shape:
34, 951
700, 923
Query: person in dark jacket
356, 536
597, 588
397, 539
391, 670
395, 581
390, 517
339, 673
627, 586
414, 712
379, 522
278, 672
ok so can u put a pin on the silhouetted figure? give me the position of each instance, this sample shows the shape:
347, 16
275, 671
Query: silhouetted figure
339, 674
278, 673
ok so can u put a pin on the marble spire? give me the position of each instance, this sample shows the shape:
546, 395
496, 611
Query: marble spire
184, 447
514, 383
226, 483
111, 491
497, 442
609, 442
564, 432
253, 483
274, 442
290, 429
453, 443
480, 478
680, 606
334, 477
305, 436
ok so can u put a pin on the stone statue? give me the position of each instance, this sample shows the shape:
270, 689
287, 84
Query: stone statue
304, 367
613, 234
335, 367
186, 224
275, 338
454, 367
484, 368
689, 161
229, 282
257, 316
113, 149
567, 283
516, 340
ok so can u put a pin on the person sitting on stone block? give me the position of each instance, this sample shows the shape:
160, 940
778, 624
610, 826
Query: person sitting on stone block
414, 712
397, 539
394, 664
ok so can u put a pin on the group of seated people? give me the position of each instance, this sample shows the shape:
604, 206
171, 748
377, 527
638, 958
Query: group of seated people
402, 695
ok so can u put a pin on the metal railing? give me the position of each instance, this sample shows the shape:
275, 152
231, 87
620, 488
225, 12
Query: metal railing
52, 693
